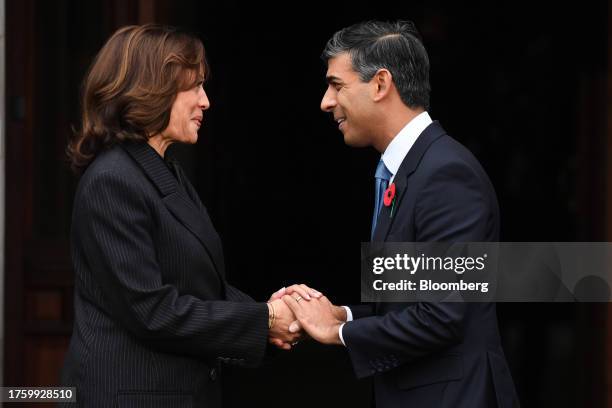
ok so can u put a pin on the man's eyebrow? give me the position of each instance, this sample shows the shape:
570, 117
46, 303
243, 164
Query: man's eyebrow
333, 79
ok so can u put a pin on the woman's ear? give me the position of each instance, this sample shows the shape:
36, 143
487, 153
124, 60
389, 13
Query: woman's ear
383, 82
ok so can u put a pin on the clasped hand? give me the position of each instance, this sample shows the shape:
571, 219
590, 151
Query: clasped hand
300, 311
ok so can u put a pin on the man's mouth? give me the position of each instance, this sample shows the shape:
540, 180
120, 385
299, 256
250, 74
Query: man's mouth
198, 120
340, 121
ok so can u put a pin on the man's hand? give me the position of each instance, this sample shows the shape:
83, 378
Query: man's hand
318, 317
306, 293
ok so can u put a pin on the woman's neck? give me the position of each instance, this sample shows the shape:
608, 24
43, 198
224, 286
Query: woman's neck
159, 143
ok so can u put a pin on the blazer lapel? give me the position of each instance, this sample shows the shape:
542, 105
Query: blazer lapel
177, 201
408, 166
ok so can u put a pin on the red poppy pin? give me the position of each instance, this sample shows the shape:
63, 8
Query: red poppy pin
389, 198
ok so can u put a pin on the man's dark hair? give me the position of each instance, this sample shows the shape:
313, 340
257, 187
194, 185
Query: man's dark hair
396, 46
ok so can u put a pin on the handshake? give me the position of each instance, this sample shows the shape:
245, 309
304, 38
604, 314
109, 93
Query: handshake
299, 311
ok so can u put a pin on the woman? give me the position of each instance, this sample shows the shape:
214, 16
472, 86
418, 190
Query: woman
153, 311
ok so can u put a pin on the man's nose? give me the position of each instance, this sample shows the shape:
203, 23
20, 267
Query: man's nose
329, 101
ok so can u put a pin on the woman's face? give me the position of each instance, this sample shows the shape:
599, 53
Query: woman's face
186, 115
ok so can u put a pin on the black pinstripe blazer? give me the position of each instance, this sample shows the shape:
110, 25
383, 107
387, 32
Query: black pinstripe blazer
153, 312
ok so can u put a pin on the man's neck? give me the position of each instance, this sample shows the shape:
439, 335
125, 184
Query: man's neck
395, 120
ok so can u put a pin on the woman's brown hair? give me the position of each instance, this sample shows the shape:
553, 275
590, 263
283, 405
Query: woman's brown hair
131, 85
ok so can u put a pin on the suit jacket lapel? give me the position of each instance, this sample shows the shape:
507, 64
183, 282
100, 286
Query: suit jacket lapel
408, 166
177, 201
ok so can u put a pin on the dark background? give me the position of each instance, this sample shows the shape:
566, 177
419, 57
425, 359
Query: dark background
524, 85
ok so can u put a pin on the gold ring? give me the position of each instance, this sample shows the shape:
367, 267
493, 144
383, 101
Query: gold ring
297, 299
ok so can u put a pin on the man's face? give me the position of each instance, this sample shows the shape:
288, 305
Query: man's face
349, 100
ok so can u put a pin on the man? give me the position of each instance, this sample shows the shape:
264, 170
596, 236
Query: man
419, 354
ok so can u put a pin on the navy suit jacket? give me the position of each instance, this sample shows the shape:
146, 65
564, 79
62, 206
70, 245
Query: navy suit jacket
153, 311
434, 354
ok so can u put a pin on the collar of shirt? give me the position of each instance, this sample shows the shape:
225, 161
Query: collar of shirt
402, 143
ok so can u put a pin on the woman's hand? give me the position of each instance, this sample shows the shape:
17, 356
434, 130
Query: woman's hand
279, 333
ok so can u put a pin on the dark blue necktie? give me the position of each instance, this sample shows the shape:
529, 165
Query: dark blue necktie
383, 175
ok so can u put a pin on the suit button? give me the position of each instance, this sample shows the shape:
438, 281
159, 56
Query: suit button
213, 374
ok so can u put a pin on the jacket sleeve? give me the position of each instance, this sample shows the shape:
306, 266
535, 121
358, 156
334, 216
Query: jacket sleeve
361, 311
452, 207
112, 224
234, 294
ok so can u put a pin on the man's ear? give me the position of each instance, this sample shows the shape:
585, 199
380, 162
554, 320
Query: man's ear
383, 82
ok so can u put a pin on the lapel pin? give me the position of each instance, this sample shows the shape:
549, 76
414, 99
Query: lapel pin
389, 198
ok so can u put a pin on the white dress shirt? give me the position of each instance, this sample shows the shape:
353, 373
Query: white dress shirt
393, 157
